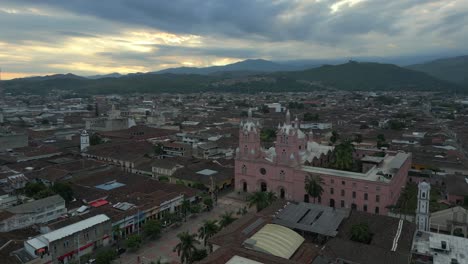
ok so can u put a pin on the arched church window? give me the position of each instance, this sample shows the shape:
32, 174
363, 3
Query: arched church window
246, 150
283, 154
244, 169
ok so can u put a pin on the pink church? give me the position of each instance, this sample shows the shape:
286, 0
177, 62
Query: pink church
283, 168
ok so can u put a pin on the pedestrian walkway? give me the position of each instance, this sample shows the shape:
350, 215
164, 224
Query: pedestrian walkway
162, 247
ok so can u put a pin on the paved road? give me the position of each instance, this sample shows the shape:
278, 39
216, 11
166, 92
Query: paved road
162, 247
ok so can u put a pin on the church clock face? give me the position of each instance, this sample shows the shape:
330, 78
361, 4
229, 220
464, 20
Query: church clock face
263, 171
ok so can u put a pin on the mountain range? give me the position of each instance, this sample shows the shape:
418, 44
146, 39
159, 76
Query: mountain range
450, 69
260, 75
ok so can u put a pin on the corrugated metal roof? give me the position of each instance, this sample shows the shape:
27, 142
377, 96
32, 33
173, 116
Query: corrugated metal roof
74, 228
241, 260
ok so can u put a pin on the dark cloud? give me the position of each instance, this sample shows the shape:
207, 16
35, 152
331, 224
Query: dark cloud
76, 34
284, 29
248, 18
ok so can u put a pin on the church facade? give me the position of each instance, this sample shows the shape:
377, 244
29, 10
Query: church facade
283, 169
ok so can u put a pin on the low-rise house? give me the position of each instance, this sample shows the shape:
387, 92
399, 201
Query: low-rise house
31, 213
213, 175
165, 167
122, 154
68, 243
175, 149
457, 188
450, 221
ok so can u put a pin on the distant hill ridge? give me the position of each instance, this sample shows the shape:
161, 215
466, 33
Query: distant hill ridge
348, 76
450, 69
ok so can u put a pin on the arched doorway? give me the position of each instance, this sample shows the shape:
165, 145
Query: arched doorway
282, 193
263, 187
244, 186
353, 206
332, 203
306, 198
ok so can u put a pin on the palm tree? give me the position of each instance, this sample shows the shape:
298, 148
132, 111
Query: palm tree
344, 156
186, 247
207, 230
313, 186
226, 219
271, 197
261, 199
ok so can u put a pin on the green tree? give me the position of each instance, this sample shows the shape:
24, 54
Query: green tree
133, 242
381, 141
396, 124
226, 219
261, 199
207, 230
334, 137
43, 194
195, 209
361, 233
158, 149
381, 137
199, 186
185, 208
117, 232
265, 109
311, 117
199, 254
64, 190
163, 179
313, 186
242, 211
343, 156
186, 247
358, 138
33, 188
208, 202
267, 135
95, 139
106, 256
152, 228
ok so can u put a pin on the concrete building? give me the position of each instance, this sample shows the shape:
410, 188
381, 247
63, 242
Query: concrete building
283, 168
31, 213
437, 248
67, 244
450, 221
11, 140
319, 126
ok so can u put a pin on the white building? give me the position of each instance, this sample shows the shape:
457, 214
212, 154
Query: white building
422, 211
35, 212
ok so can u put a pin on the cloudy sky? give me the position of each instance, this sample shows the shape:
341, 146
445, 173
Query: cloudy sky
102, 36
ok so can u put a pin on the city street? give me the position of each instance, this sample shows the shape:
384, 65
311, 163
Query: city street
162, 247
